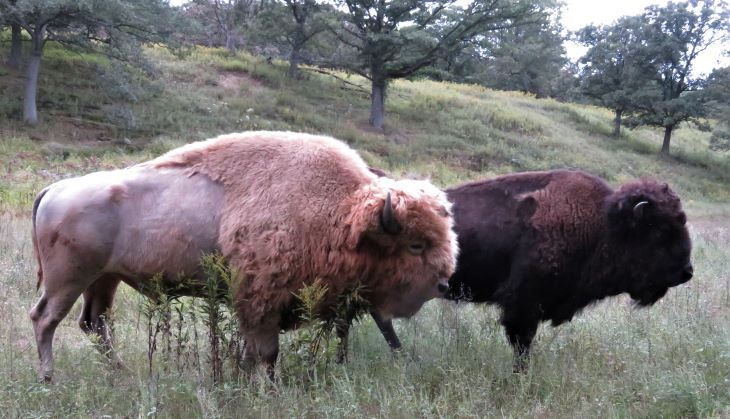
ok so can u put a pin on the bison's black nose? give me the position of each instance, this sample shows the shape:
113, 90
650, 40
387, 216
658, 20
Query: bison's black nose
687, 272
443, 288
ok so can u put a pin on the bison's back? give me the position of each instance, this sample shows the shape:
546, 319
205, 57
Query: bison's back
288, 182
522, 222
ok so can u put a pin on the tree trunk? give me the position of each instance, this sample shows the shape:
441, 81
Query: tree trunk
16, 47
377, 105
617, 123
667, 138
30, 112
230, 43
294, 60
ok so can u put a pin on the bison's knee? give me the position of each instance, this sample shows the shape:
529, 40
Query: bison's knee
37, 311
44, 317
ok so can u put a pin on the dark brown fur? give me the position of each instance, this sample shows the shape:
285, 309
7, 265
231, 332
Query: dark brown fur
544, 245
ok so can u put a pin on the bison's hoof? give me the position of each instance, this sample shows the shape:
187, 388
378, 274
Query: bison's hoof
520, 366
342, 358
120, 366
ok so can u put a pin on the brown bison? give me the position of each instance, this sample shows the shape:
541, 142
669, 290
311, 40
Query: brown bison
544, 245
284, 209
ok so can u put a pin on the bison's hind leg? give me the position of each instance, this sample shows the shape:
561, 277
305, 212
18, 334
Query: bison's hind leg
98, 301
59, 295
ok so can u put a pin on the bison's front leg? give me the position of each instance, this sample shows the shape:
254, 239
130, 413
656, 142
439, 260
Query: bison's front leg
520, 329
386, 328
261, 346
343, 330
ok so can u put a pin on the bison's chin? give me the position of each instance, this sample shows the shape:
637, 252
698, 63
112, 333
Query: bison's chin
647, 297
406, 311
400, 309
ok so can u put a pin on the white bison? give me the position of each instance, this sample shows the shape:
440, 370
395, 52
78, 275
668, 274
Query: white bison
284, 209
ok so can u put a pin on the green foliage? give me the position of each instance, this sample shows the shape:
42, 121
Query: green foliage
641, 66
674, 35
172, 321
118, 29
717, 89
309, 353
315, 337
397, 38
221, 22
219, 314
526, 58
156, 310
720, 140
617, 65
290, 27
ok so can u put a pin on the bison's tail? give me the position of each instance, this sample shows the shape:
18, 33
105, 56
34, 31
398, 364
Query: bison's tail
37, 252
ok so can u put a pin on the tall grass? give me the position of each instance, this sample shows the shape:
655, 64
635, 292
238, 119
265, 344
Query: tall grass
614, 360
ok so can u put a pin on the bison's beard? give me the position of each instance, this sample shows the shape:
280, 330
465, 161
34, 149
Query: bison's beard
648, 297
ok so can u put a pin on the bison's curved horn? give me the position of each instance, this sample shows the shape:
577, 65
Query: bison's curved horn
387, 218
639, 208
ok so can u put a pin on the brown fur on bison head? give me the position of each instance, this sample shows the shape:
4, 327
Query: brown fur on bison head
405, 228
647, 221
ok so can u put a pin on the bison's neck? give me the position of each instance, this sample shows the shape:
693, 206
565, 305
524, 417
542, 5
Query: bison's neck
601, 274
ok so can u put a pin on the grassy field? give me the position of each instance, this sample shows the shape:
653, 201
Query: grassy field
672, 360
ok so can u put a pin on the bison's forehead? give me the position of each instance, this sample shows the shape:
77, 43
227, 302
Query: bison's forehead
425, 212
420, 193
660, 195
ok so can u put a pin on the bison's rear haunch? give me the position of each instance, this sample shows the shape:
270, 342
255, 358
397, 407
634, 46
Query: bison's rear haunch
284, 209
544, 245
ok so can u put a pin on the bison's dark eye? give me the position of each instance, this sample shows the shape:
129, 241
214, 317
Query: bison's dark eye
417, 247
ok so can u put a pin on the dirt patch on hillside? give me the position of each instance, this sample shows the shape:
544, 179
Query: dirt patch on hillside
77, 133
233, 81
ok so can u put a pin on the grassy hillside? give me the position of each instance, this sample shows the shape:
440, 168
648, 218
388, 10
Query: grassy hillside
612, 361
